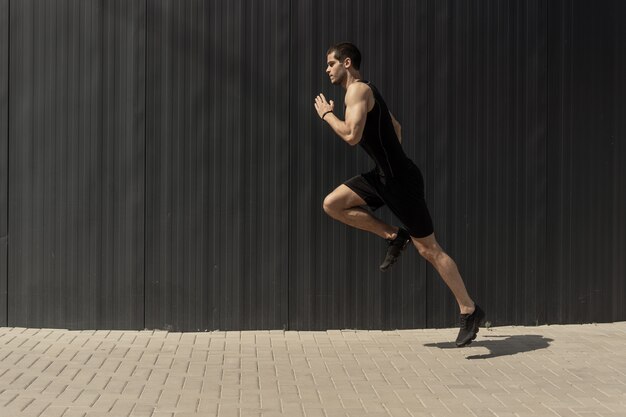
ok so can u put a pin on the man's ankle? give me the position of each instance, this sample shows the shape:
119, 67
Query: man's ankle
468, 309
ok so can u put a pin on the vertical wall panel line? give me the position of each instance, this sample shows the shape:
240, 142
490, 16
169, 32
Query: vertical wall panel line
8, 169
145, 156
428, 136
8, 101
6, 277
4, 166
545, 173
287, 318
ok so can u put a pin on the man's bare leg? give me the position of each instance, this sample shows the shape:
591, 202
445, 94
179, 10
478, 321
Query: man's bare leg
447, 269
344, 205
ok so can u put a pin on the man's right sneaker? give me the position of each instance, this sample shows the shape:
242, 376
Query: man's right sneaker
395, 248
469, 326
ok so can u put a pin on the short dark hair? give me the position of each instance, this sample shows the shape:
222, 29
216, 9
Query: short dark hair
345, 50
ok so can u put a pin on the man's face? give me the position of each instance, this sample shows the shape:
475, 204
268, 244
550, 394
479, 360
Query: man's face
336, 70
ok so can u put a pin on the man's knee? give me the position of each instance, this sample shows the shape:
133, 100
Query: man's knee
430, 252
332, 205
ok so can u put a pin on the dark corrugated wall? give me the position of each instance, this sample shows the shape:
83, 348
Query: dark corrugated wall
586, 173
4, 155
76, 172
185, 131
617, 245
217, 165
487, 129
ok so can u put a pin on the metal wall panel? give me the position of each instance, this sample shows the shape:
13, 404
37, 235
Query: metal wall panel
618, 217
514, 111
217, 164
587, 191
334, 276
487, 125
4, 155
77, 164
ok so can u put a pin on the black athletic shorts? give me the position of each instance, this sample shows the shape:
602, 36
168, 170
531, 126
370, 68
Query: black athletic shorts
403, 194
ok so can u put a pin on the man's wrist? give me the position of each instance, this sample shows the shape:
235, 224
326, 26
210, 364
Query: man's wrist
324, 115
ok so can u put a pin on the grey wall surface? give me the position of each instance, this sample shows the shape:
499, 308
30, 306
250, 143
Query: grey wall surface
162, 165
76, 164
217, 165
4, 155
586, 175
618, 180
487, 157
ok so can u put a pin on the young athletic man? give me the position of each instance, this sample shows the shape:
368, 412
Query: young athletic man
395, 181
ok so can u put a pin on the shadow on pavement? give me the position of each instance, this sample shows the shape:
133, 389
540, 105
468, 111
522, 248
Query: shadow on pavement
501, 345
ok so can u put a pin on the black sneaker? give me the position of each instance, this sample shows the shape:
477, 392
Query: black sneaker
395, 248
469, 326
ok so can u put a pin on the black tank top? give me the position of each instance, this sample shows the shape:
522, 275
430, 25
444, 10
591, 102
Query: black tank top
380, 140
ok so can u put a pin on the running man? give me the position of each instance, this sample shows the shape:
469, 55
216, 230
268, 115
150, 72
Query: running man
395, 181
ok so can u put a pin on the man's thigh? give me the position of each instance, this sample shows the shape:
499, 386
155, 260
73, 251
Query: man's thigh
361, 193
343, 197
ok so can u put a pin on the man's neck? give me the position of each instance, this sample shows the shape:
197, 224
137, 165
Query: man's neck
351, 78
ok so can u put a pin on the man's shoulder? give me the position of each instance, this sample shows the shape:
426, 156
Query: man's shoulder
359, 86
358, 91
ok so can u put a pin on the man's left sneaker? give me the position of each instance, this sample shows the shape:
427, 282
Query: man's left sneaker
469, 326
395, 248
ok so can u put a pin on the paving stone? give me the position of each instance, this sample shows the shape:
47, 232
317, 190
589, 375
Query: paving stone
573, 370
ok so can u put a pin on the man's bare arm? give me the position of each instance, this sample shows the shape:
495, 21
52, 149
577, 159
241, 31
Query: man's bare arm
350, 130
396, 127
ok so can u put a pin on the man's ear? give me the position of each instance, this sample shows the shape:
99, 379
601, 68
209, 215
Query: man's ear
347, 63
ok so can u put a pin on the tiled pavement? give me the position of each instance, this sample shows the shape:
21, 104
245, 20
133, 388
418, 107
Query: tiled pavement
573, 370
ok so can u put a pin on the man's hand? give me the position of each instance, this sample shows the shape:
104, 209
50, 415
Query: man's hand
351, 129
322, 106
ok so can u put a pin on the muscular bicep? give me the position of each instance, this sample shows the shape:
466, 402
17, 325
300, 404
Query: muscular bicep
356, 114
